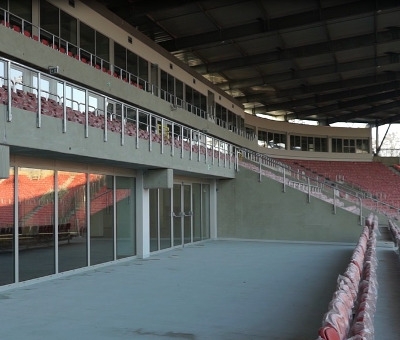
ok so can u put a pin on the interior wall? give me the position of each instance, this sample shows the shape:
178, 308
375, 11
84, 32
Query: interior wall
249, 209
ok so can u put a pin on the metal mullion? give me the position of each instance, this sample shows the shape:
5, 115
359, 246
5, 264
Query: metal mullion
137, 128
56, 269
182, 149
205, 149
123, 115
115, 216
162, 135
16, 225
39, 113
105, 119
173, 139
158, 221
198, 146
150, 133
88, 218
64, 120
191, 147
86, 113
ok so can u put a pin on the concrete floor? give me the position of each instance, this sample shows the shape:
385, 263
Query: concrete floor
213, 290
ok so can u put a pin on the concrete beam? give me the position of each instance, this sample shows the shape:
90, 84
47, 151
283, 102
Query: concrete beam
159, 178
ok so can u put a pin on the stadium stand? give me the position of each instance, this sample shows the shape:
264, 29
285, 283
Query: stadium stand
351, 310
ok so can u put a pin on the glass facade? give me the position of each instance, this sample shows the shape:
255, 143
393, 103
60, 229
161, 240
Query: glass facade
349, 145
36, 227
69, 220
7, 229
72, 220
183, 213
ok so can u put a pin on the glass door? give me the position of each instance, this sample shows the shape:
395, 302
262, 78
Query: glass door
182, 214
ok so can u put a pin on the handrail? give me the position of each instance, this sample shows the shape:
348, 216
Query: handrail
79, 53
116, 116
340, 194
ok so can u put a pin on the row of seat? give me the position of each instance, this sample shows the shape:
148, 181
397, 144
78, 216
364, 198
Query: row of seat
372, 177
395, 232
351, 310
49, 107
33, 236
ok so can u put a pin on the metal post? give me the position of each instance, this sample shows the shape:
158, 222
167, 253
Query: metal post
86, 113
123, 115
309, 190
137, 128
105, 118
334, 200
284, 180
9, 98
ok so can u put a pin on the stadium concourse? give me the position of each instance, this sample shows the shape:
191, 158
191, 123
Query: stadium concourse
225, 289
145, 194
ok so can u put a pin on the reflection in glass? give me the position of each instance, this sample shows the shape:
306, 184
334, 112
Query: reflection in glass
205, 211
126, 231
72, 236
165, 218
177, 213
154, 231
36, 223
196, 201
101, 219
7, 229
187, 211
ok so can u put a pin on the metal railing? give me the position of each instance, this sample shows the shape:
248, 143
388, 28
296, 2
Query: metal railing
74, 104
53, 41
338, 194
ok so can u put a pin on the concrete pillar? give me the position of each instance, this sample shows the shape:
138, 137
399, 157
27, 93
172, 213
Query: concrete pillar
213, 210
4, 161
142, 218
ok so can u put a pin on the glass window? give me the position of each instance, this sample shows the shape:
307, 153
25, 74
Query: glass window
36, 223
154, 230
132, 63
101, 219
125, 206
21, 8
197, 216
205, 211
68, 32
165, 218
49, 18
143, 69
23, 14
87, 38
119, 57
7, 226
102, 47
72, 220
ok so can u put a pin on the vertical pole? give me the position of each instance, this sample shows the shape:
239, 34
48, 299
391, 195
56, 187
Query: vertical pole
9, 89
56, 222
137, 128
88, 218
284, 180
16, 225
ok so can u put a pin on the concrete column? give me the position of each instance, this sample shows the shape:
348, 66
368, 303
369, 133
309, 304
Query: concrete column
142, 218
213, 210
4, 161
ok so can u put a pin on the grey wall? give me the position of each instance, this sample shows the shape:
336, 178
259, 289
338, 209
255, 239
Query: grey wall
50, 142
250, 209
